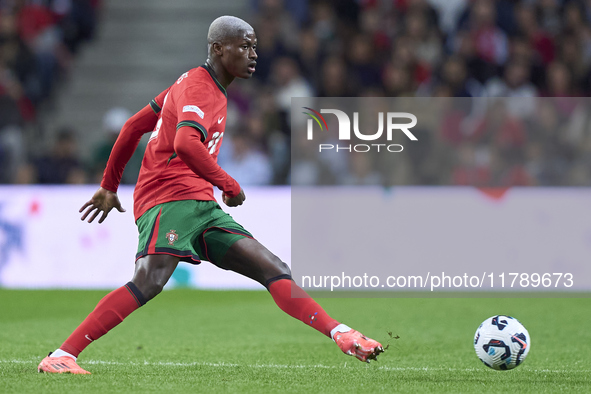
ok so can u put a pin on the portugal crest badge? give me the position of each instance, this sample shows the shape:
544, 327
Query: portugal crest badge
172, 237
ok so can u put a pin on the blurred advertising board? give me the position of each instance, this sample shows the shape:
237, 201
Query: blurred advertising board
44, 244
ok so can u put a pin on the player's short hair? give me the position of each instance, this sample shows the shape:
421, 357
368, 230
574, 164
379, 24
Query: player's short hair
226, 27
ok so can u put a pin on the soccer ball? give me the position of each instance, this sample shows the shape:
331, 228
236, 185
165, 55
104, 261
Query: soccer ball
501, 342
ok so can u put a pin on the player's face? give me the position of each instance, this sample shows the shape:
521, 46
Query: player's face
241, 55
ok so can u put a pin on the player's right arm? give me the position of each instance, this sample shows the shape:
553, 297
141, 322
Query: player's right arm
103, 201
105, 198
127, 142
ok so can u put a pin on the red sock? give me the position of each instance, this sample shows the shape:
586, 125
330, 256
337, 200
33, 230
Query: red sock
109, 312
301, 306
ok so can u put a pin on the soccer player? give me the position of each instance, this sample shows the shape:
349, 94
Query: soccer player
177, 216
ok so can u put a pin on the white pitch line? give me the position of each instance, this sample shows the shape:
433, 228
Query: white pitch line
284, 366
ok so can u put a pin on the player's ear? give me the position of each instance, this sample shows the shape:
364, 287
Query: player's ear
217, 48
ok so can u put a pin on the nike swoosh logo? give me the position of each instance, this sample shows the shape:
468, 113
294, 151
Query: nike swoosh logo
87, 337
220, 119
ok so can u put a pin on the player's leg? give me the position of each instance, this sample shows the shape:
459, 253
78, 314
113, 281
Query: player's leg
151, 274
250, 258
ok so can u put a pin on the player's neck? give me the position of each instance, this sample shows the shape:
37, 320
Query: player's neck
219, 73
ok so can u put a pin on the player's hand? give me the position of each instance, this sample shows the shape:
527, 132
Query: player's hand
234, 201
102, 201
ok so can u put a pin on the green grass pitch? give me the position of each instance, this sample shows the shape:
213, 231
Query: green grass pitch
222, 341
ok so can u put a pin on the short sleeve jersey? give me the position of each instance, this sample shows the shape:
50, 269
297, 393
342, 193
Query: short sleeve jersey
195, 100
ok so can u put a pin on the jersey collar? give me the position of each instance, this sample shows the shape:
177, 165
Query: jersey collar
212, 74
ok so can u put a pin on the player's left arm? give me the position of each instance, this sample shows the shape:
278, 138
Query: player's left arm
188, 145
195, 111
234, 201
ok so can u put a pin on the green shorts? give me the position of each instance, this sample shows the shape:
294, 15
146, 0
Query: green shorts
189, 229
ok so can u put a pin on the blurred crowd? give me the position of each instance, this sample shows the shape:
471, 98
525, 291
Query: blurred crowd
38, 42
463, 141
520, 49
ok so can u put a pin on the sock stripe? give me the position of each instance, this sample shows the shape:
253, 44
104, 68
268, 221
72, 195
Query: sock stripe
268, 282
136, 293
133, 295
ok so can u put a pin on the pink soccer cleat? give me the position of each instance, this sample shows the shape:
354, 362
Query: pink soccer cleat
62, 364
356, 344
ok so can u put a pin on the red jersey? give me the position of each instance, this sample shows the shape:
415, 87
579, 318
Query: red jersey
195, 100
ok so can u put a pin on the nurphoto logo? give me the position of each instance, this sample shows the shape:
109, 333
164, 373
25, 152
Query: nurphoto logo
345, 130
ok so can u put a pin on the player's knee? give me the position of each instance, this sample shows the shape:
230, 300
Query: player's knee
284, 268
279, 268
152, 290
280, 271
152, 273
149, 285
